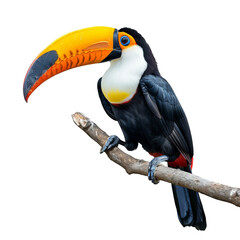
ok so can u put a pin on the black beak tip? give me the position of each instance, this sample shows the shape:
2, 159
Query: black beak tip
37, 69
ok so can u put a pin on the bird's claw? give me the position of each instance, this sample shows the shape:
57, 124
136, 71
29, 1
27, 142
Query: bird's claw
152, 167
111, 142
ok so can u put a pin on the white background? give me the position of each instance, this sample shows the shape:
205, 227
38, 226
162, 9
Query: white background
54, 184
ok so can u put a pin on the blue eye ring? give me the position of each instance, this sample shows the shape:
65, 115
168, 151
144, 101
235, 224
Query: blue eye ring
125, 40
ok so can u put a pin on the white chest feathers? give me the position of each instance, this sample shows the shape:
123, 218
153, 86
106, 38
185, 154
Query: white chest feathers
120, 82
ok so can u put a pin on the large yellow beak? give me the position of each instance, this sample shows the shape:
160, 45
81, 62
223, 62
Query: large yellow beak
82, 47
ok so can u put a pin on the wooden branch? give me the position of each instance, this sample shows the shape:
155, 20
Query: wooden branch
174, 176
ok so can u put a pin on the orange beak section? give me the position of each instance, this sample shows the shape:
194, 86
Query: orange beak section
82, 47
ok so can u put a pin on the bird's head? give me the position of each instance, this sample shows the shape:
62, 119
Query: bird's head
83, 47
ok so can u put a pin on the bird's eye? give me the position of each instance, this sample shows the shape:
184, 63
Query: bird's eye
124, 40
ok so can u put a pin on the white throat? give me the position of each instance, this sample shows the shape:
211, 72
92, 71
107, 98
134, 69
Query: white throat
120, 81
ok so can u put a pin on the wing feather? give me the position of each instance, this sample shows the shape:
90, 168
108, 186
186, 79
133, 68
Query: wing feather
164, 104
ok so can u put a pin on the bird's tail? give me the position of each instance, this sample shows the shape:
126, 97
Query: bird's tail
189, 207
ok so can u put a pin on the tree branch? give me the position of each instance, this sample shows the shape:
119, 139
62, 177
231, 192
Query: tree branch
174, 176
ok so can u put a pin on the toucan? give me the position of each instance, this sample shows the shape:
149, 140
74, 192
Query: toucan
132, 92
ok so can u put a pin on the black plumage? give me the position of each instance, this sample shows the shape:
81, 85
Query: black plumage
155, 119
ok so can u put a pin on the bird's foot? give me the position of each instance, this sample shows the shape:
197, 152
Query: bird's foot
153, 165
111, 142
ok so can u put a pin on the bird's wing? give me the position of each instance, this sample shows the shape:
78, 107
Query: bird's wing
105, 103
164, 104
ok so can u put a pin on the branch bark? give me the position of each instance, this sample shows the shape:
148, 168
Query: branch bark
174, 176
